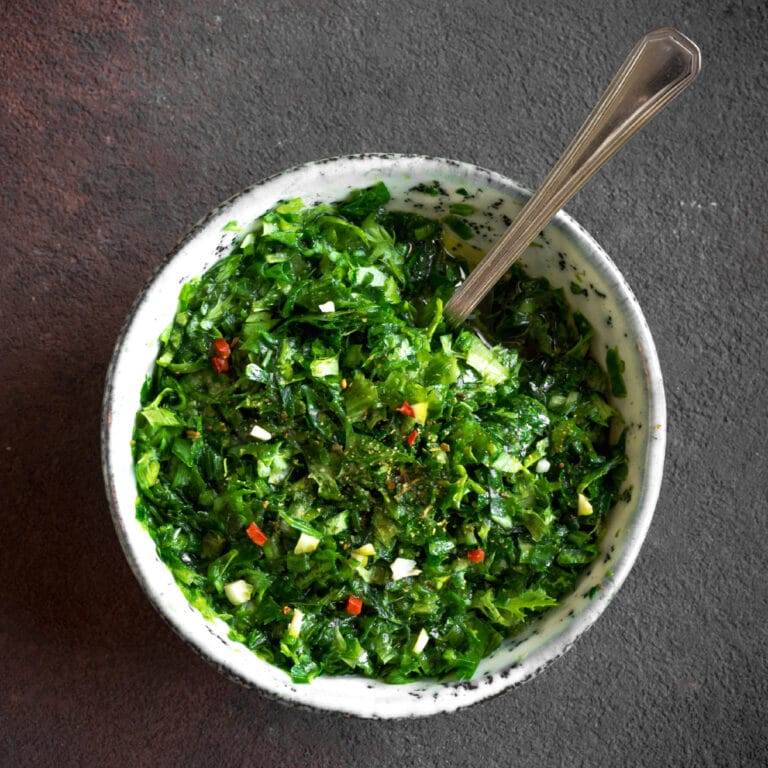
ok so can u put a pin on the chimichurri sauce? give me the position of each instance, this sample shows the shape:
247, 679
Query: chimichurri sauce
353, 486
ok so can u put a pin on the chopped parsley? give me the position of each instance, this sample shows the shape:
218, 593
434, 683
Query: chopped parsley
348, 482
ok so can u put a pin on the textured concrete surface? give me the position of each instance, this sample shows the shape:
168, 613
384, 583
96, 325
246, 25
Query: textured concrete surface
123, 123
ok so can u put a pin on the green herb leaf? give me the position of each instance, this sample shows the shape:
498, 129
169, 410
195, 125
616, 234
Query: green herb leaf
615, 366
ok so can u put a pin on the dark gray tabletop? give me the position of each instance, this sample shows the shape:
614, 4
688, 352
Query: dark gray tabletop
123, 123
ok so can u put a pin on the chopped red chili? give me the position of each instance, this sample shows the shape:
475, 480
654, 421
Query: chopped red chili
476, 555
406, 409
411, 439
354, 605
220, 364
256, 535
221, 348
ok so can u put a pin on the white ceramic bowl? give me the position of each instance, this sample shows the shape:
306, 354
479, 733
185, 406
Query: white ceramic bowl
570, 254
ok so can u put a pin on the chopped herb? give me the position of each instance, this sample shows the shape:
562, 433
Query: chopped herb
578, 290
459, 226
615, 367
434, 189
364, 202
348, 482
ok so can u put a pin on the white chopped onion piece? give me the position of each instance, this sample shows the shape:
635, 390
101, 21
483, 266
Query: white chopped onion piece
238, 592
260, 433
542, 466
306, 544
421, 641
327, 307
402, 567
420, 412
584, 508
294, 628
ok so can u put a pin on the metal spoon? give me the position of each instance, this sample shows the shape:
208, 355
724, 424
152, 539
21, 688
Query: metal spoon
659, 68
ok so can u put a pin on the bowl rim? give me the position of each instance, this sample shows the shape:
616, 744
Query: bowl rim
623, 562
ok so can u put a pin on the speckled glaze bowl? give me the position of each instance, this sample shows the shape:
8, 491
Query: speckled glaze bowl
569, 255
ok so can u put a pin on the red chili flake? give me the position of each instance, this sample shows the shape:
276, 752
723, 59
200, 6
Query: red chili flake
476, 555
220, 364
256, 535
411, 439
354, 605
221, 348
406, 409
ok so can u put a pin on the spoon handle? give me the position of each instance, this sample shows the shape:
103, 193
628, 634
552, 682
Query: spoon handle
660, 67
